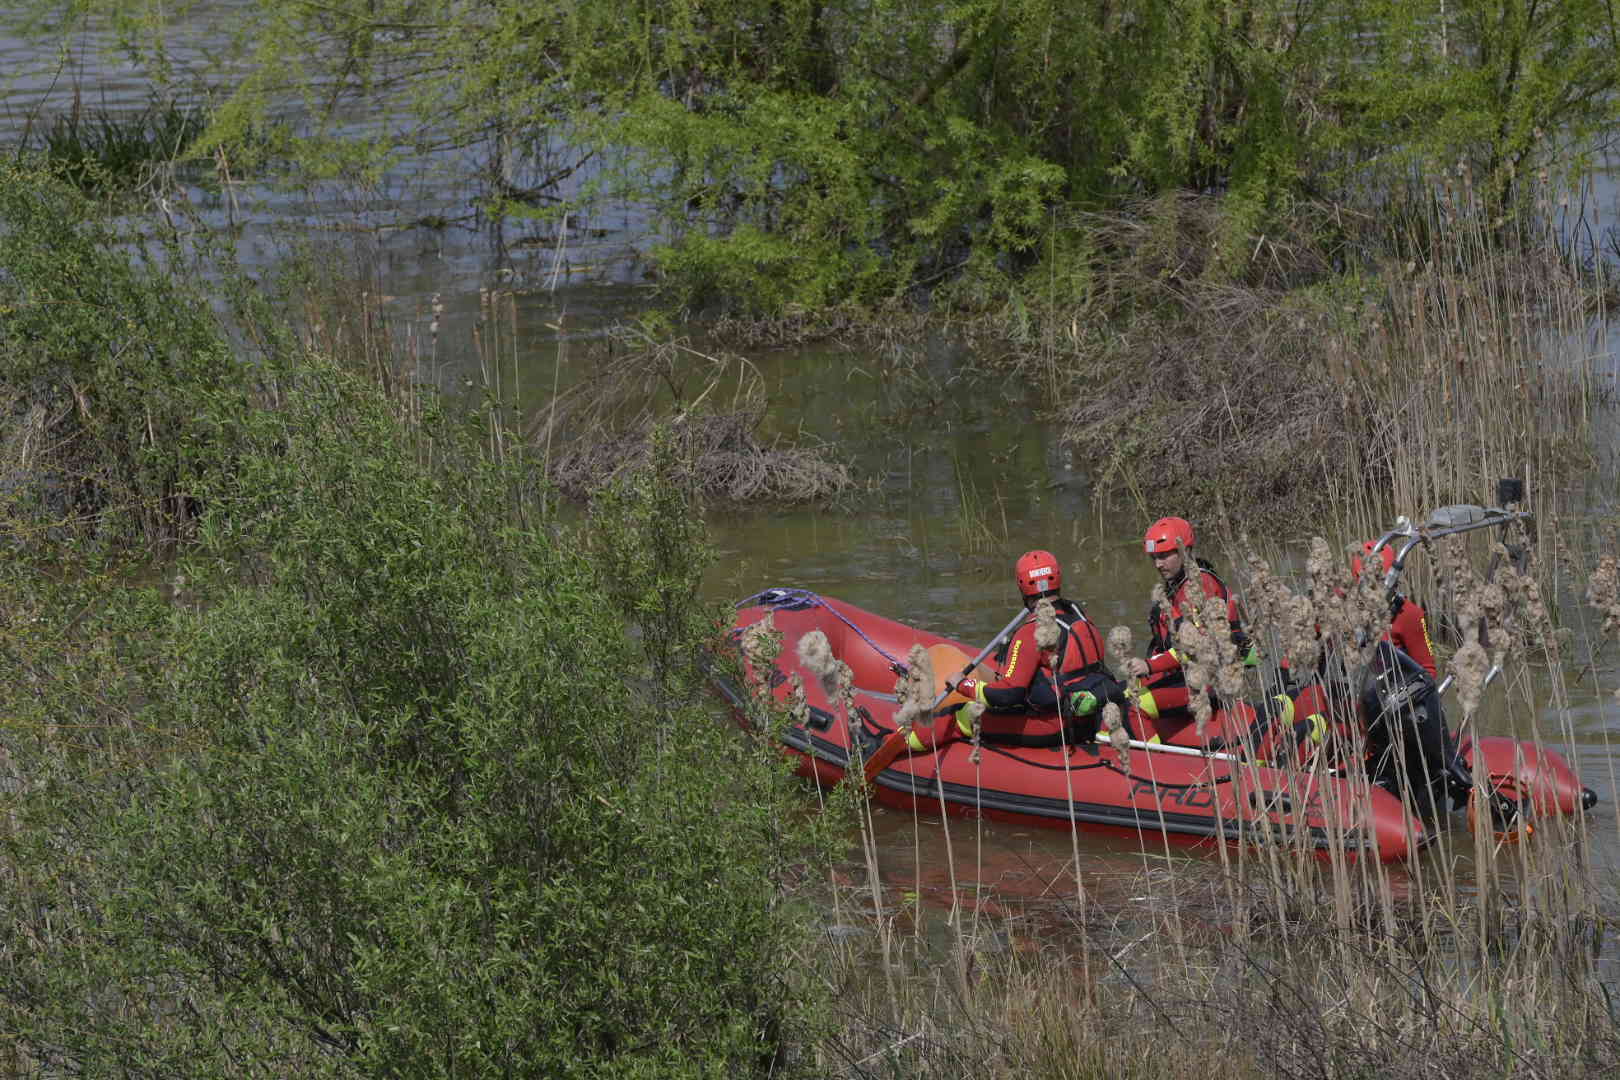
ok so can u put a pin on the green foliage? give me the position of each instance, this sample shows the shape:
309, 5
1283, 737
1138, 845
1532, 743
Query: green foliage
1499, 86
101, 151
120, 363
751, 270
816, 151
390, 790
646, 534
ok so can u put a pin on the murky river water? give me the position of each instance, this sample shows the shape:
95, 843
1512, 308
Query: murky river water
961, 478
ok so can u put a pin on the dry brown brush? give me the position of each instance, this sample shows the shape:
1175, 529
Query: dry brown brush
1475, 959
712, 406
1449, 354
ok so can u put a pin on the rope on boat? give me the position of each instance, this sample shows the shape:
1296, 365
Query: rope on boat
1104, 763
782, 599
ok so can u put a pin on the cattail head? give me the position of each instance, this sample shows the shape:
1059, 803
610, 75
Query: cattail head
816, 654
844, 680
915, 688
762, 642
798, 707
1118, 737
1226, 665
1202, 712
1119, 645
1470, 665
1046, 626
1523, 594
1289, 614
1352, 613
1195, 577
1198, 652
971, 712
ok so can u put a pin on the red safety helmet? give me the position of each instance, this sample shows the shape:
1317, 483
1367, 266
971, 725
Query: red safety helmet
1386, 553
1038, 573
1163, 534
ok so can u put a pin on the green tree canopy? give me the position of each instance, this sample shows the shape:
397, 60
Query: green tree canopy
824, 150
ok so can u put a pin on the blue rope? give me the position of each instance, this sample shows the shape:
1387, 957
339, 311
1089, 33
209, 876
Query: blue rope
780, 599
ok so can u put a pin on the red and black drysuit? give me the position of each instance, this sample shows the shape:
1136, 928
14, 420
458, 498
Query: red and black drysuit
1326, 711
1409, 630
1031, 701
1164, 709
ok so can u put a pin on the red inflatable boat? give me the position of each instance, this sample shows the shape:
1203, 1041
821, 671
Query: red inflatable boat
1152, 794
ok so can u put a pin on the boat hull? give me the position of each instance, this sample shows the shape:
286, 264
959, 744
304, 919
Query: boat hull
1154, 795
1535, 775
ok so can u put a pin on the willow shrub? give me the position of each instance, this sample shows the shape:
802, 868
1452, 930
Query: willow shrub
797, 154
391, 788
112, 351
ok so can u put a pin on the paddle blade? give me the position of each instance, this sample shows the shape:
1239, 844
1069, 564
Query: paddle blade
892, 747
949, 663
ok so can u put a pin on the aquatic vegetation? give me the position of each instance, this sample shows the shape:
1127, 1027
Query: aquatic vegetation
121, 372
711, 407
1319, 393
101, 151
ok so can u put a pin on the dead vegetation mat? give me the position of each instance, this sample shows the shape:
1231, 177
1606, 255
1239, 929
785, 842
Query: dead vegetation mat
726, 460
711, 406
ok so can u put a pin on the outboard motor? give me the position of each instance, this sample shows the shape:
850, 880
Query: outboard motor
1409, 751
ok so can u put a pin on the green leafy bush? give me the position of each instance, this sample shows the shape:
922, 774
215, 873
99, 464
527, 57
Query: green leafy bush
114, 366
391, 789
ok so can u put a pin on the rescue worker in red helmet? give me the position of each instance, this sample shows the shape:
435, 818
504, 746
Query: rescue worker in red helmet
1408, 631
1041, 696
1164, 708
1408, 622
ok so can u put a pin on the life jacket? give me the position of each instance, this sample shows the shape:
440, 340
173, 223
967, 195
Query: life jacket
1073, 666
1163, 625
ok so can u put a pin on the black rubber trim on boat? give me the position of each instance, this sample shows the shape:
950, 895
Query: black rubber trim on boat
1128, 817
729, 692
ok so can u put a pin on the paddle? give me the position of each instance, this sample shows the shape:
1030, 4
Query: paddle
896, 741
